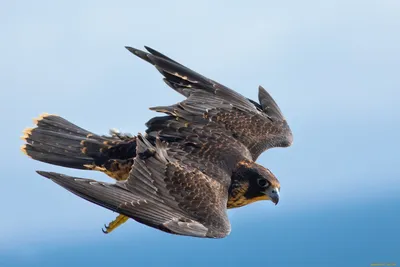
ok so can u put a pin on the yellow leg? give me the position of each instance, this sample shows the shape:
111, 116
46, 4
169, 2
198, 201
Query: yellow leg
115, 223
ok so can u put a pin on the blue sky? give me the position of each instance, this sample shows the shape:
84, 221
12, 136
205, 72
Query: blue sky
333, 68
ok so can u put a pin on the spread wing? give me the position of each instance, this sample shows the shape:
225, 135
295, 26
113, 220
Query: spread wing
259, 126
205, 147
161, 192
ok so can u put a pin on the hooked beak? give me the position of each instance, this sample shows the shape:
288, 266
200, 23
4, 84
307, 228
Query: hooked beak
273, 194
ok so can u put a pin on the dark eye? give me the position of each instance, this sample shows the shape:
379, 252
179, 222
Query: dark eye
262, 182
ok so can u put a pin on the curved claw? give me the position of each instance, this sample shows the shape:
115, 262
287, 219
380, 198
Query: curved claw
105, 231
114, 224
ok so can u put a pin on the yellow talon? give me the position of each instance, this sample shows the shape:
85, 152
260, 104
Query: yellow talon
121, 219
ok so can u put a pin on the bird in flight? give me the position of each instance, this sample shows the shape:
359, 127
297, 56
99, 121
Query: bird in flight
190, 165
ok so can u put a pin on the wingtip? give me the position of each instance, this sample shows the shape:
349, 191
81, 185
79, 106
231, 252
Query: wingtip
44, 174
132, 50
261, 89
51, 175
150, 50
141, 54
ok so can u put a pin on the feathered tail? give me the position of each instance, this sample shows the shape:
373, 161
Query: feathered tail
57, 141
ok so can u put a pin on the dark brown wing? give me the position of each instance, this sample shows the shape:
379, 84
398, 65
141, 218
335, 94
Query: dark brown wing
258, 126
204, 147
160, 192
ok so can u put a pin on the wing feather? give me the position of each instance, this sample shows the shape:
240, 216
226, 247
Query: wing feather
160, 192
258, 126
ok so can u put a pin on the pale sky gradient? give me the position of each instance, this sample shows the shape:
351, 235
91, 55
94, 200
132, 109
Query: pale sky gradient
332, 66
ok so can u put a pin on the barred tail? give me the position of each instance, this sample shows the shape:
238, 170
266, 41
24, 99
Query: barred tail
57, 141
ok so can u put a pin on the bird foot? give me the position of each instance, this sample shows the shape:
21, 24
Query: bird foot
121, 219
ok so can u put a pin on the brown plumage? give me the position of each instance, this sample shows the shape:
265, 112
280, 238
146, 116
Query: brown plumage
190, 166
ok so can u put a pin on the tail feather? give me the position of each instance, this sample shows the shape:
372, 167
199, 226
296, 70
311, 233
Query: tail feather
57, 141
55, 158
56, 123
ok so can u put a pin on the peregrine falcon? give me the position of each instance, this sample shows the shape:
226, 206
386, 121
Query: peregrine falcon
190, 165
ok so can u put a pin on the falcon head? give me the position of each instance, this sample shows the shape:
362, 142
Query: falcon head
252, 182
263, 183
